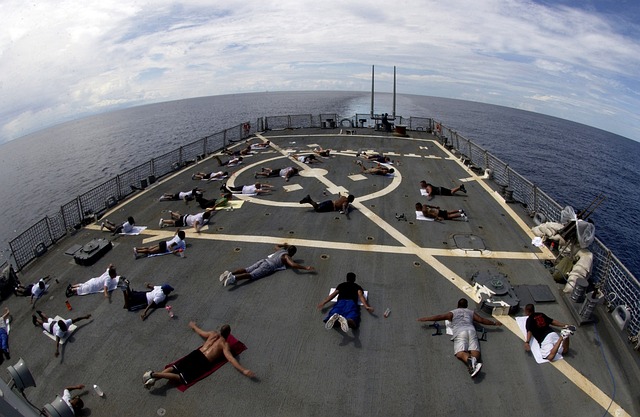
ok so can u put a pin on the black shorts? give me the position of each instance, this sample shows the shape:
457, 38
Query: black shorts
325, 207
192, 366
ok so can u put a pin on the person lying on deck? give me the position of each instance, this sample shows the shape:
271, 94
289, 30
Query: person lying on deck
342, 204
152, 299
58, 328
218, 175
346, 310
230, 162
103, 282
192, 366
434, 212
256, 188
35, 290
264, 267
306, 158
375, 157
125, 227
285, 173
435, 190
182, 195
197, 221
376, 170
175, 245
214, 203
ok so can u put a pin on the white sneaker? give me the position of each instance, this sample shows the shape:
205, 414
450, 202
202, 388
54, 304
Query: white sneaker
476, 369
332, 320
224, 275
229, 280
343, 324
161, 223
147, 380
565, 333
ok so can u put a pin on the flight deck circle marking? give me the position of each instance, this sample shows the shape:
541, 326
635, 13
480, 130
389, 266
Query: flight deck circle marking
318, 173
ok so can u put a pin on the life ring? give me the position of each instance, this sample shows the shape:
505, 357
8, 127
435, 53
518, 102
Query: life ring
246, 128
539, 218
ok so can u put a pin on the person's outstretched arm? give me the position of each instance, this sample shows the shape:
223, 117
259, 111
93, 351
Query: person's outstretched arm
74, 387
438, 317
329, 298
364, 302
233, 361
202, 333
479, 319
294, 265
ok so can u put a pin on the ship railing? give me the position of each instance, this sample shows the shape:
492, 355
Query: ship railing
89, 206
618, 285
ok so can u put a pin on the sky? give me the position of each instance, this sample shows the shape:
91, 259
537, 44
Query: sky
62, 60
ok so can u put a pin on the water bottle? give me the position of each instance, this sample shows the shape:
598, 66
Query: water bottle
98, 390
68, 305
387, 312
168, 308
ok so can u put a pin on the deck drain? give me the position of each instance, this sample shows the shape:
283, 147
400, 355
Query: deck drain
161, 412
291, 232
325, 257
369, 237
267, 214
416, 264
411, 223
237, 249
220, 228
373, 206
336, 218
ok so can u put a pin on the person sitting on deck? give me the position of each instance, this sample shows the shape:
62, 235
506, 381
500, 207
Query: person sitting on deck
182, 195
432, 190
58, 328
264, 267
377, 170
346, 310
197, 221
126, 227
285, 173
218, 175
152, 299
434, 212
4, 336
214, 203
386, 123
248, 189
342, 204
466, 346
175, 245
199, 361
538, 325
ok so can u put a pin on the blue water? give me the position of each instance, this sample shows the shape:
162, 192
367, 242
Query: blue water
573, 163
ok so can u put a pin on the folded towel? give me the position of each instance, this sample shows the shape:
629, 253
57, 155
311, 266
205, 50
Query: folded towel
135, 231
236, 348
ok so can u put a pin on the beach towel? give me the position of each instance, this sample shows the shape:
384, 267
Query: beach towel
533, 343
135, 231
236, 348
69, 332
421, 216
233, 204
424, 192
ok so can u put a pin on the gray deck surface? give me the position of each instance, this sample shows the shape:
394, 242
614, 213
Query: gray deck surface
389, 367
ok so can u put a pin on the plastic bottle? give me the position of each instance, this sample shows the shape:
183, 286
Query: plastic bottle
168, 308
387, 312
68, 305
98, 390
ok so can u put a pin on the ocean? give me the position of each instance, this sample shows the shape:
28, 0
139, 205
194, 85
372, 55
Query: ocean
571, 162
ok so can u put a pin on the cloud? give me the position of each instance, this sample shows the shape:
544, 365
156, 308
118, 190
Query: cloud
61, 61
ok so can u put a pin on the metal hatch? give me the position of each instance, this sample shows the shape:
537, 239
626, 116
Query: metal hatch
469, 242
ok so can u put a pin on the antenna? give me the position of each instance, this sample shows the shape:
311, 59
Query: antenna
394, 91
372, 92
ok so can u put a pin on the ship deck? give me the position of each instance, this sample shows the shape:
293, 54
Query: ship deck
389, 366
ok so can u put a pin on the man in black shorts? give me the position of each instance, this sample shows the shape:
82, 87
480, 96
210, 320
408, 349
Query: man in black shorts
435, 190
199, 361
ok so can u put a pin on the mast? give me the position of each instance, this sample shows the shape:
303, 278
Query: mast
394, 91
372, 82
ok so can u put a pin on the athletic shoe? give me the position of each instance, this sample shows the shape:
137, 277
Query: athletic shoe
470, 365
572, 328
474, 362
224, 275
464, 190
343, 324
565, 333
161, 223
306, 200
229, 280
101, 226
34, 320
476, 369
332, 320
147, 380
135, 253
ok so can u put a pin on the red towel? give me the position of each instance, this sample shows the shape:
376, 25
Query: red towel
236, 347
